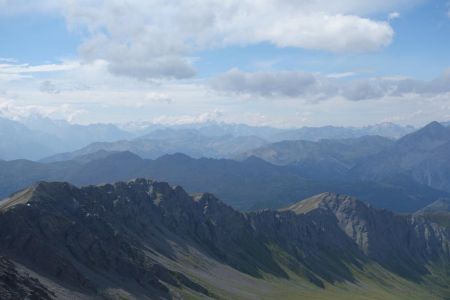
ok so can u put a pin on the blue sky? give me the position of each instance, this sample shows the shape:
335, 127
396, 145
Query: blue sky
36, 39
288, 64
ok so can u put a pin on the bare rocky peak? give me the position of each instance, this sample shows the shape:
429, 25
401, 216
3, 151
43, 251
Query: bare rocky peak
380, 234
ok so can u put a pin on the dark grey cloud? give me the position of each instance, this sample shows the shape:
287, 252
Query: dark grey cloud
274, 84
161, 67
317, 87
365, 89
381, 87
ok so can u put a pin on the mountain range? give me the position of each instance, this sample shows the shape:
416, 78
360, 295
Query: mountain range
389, 130
274, 134
236, 141
148, 240
246, 185
37, 137
19, 142
270, 176
327, 158
169, 141
422, 155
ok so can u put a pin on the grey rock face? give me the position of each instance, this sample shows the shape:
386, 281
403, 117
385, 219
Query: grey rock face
16, 285
97, 236
62, 230
400, 243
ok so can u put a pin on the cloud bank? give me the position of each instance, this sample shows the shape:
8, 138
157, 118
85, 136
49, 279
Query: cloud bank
316, 87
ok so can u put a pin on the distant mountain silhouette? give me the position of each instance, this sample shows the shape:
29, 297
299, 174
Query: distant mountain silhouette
246, 185
331, 159
422, 155
168, 141
388, 130
37, 137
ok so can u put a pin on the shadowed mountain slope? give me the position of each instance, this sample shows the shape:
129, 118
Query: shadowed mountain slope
148, 240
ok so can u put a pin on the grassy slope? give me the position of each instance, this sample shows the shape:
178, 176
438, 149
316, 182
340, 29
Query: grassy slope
373, 282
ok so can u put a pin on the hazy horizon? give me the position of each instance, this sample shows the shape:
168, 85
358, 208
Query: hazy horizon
189, 122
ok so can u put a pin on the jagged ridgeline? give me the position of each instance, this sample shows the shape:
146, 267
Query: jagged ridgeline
148, 240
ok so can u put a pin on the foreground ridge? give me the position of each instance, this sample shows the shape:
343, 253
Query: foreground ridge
148, 240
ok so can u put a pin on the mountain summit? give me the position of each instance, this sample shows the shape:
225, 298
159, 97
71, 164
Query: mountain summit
421, 155
430, 136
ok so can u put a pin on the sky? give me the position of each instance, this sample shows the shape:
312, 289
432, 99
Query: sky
284, 63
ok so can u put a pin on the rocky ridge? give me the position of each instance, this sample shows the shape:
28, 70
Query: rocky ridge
131, 235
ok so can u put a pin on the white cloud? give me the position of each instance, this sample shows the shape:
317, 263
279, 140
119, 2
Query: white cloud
341, 75
116, 99
15, 111
336, 33
100, 95
393, 15
14, 71
215, 115
155, 38
153, 97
